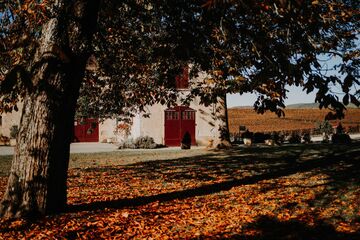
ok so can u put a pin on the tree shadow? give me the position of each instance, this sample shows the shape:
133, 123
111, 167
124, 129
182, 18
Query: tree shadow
267, 228
238, 167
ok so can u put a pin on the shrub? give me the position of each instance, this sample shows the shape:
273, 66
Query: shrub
145, 142
324, 127
129, 144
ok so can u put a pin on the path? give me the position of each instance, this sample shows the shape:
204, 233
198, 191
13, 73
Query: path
106, 147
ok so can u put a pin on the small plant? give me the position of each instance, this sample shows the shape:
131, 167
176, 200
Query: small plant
145, 142
324, 127
14, 130
127, 144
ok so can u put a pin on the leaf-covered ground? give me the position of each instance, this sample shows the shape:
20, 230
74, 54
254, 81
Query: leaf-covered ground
288, 192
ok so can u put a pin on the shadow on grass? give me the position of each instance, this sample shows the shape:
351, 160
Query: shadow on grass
340, 163
268, 228
249, 165
243, 166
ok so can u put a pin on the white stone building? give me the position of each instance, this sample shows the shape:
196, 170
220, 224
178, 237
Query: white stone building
165, 125
168, 125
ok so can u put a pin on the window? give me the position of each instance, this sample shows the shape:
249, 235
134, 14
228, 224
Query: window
171, 115
188, 115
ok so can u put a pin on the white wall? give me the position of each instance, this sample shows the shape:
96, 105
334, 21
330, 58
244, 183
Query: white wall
154, 126
106, 131
10, 119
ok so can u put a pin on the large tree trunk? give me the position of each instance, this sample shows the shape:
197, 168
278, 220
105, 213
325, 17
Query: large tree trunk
222, 115
221, 138
37, 182
224, 126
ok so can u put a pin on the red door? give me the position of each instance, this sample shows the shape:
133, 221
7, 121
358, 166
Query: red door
178, 121
86, 130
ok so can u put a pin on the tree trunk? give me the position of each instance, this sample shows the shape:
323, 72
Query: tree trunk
224, 121
37, 181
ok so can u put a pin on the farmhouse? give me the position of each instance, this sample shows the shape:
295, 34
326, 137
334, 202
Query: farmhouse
165, 125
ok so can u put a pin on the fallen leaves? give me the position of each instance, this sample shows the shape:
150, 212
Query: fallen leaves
239, 194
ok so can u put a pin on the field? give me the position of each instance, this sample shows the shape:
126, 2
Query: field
295, 119
283, 192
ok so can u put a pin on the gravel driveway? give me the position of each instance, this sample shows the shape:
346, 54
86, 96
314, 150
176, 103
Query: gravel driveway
106, 147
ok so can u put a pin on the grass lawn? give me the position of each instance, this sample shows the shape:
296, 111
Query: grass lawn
287, 192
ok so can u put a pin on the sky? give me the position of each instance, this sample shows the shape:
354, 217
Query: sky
295, 95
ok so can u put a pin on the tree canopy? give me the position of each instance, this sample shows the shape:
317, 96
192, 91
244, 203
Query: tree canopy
135, 48
242, 46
